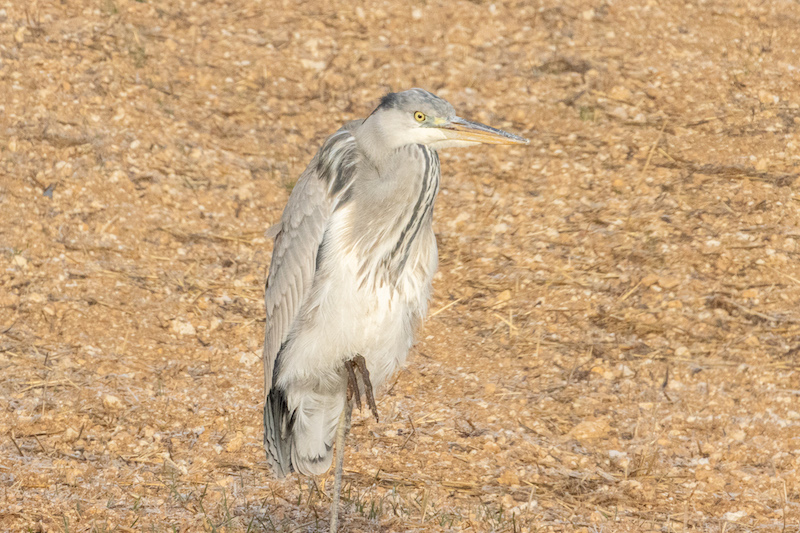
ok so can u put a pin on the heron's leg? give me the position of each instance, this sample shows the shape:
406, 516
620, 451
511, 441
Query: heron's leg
341, 434
359, 362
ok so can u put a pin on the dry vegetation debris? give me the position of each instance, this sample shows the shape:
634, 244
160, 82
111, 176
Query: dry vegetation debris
614, 338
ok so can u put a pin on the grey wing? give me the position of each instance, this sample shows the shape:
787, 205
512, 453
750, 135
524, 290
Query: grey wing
291, 271
301, 231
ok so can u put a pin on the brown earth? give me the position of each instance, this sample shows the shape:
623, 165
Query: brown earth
614, 336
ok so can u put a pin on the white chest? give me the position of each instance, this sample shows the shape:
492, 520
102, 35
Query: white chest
358, 307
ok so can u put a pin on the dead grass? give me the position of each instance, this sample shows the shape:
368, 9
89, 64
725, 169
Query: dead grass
614, 338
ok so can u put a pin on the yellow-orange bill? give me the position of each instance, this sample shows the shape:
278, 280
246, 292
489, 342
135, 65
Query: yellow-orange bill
465, 130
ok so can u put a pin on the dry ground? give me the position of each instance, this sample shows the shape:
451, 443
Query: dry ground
615, 331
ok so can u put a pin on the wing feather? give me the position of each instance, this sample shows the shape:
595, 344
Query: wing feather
301, 231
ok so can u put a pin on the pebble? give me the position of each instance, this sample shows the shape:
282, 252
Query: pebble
734, 516
508, 478
183, 327
9, 299
248, 359
112, 403
591, 429
620, 113
650, 279
69, 435
667, 282
620, 93
235, 444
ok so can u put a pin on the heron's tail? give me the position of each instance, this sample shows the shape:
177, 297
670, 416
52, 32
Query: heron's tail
278, 422
301, 438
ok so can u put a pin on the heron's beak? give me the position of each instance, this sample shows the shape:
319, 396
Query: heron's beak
458, 129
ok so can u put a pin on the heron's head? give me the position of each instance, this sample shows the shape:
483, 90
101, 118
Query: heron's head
416, 116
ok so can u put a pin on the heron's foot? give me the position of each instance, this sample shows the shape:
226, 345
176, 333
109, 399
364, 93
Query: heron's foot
360, 364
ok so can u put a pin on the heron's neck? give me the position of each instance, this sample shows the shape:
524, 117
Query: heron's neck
379, 144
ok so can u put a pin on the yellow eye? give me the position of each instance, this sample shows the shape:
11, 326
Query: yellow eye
419, 116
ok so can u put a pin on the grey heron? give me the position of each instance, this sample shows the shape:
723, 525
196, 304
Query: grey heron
351, 272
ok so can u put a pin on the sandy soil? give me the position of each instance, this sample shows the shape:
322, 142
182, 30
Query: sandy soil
614, 337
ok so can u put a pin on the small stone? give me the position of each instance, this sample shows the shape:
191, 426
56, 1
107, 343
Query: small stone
71, 476
235, 444
619, 112
416, 13
112, 403
502, 227
183, 327
750, 293
310, 64
738, 435
598, 369
508, 501
248, 359
591, 429
620, 459
491, 447
117, 176
508, 478
620, 93
766, 98
245, 192
502, 297
667, 282
37, 298
682, 351
489, 388
732, 516
70, 434
20, 261
9, 299
650, 279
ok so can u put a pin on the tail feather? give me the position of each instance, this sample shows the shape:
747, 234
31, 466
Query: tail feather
301, 437
315, 430
278, 436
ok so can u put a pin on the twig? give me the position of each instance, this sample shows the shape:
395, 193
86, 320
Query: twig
11, 434
40, 444
787, 276
446, 307
653, 148
511, 327
750, 312
625, 296
413, 432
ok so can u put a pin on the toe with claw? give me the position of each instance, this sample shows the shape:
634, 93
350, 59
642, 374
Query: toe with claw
353, 391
